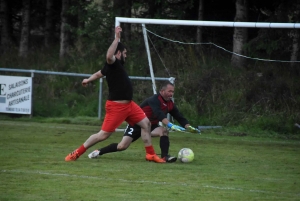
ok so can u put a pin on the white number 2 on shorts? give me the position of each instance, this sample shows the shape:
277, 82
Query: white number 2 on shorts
129, 132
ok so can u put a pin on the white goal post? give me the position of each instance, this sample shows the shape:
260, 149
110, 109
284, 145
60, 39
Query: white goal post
206, 23
144, 21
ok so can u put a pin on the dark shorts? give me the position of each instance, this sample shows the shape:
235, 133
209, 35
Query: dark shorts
135, 131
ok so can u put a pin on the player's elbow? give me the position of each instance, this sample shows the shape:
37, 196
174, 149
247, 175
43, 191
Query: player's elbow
98, 74
110, 58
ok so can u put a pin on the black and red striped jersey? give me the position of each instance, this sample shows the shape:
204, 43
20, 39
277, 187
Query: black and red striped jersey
156, 109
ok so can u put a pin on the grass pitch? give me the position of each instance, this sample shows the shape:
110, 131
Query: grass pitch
225, 167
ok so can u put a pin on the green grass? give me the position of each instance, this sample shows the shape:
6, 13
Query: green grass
226, 167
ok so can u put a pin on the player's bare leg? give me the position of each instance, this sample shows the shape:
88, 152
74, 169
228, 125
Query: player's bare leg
125, 143
146, 137
163, 133
93, 139
114, 147
145, 131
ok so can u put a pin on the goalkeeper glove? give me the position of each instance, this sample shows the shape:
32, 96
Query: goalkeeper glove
191, 129
175, 127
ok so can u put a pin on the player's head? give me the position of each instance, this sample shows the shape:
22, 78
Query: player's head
121, 52
167, 90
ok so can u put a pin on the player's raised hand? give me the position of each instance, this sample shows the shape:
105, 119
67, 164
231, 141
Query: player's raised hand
191, 129
175, 127
118, 31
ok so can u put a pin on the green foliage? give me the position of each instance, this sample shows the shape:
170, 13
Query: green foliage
58, 96
95, 34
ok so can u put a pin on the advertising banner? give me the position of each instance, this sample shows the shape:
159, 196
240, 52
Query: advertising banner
15, 94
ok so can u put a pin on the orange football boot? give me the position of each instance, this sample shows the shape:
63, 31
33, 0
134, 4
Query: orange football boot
72, 156
154, 158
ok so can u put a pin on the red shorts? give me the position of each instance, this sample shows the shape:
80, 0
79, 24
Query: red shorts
117, 113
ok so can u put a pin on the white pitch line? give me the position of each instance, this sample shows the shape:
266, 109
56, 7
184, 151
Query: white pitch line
145, 181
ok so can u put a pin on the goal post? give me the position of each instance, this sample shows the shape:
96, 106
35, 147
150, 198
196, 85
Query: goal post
119, 20
143, 21
149, 58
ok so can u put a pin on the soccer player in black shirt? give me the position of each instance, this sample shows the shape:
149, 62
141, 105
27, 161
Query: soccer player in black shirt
156, 108
119, 105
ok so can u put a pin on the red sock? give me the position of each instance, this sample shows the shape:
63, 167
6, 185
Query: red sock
150, 150
81, 150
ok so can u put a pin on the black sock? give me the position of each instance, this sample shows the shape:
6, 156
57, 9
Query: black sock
164, 145
109, 149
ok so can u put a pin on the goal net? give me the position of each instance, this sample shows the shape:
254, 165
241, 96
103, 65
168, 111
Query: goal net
172, 51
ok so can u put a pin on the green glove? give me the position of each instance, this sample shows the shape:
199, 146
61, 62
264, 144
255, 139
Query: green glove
191, 129
175, 127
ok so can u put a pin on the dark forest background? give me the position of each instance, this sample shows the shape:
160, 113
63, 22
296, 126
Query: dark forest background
213, 86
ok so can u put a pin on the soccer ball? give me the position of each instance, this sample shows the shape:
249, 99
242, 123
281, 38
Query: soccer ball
186, 155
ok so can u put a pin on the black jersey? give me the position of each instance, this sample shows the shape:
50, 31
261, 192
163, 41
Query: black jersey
119, 84
156, 109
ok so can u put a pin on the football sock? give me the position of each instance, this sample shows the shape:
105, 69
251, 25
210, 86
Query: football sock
150, 150
164, 145
81, 150
108, 149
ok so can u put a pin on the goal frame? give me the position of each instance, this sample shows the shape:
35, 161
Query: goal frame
143, 21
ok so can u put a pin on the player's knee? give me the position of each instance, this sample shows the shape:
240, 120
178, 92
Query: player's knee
148, 125
102, 135
122, 147
145, 124
165, 132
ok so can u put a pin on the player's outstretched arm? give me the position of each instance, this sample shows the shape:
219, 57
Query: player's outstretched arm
93, 77
175, 127
192, 129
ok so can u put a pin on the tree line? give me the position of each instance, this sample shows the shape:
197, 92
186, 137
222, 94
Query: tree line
30, 23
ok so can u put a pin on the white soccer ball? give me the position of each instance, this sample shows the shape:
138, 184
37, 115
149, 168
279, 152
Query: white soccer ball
186, 155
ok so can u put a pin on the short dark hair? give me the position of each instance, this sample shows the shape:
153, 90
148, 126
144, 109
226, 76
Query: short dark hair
121, 47
165, 84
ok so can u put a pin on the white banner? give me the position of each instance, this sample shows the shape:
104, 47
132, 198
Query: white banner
15, 94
